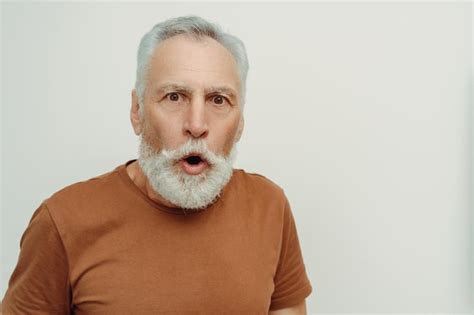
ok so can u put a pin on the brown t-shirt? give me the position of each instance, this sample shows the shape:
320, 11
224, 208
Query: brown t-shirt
102, 246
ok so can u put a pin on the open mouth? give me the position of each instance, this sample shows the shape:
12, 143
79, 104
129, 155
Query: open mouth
193, 164
194, 159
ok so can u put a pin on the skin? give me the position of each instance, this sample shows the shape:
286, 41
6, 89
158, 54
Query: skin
195, 111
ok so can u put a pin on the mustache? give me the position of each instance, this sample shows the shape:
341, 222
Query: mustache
193, 147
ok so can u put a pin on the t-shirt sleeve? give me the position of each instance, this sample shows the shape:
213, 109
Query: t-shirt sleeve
292, 284
39, 283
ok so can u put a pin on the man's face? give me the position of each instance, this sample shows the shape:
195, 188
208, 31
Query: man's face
188, 95
192, 97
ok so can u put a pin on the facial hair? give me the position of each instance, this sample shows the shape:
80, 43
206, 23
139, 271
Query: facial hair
166, 177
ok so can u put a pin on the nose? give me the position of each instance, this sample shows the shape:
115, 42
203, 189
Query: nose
195, 123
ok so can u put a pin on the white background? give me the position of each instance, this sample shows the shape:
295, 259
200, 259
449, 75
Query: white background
359, 111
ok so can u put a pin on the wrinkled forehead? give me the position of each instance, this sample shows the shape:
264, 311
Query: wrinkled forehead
197, 62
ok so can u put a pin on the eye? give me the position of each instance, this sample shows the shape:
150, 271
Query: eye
218, 99
174, 97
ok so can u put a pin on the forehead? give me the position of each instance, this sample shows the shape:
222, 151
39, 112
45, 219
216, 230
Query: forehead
199, 63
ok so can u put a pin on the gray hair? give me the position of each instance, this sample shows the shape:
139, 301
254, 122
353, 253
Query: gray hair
196, 27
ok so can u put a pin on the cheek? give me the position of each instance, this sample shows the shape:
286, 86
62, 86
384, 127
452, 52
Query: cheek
151, 136
161, 133
229, 136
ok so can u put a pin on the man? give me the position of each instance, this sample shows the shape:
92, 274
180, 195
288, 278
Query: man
178, 231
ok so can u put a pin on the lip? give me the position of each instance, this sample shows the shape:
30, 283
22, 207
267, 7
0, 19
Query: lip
193, 169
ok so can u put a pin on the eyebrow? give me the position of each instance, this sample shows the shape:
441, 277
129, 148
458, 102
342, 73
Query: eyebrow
224, 90
186, 89
173, 87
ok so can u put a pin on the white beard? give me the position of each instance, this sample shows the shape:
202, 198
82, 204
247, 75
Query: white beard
184, 190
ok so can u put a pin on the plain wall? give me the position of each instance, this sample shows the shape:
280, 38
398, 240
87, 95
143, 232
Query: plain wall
359, 111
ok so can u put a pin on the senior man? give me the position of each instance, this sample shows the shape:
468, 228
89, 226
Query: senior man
178, 230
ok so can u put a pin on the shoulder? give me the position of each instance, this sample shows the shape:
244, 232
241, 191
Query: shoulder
76, 200
82, 189
85, 206
260, 186
258, 180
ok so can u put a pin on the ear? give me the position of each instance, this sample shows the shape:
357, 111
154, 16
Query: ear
240, 129
135, 115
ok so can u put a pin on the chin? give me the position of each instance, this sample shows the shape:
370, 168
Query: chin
186, 191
